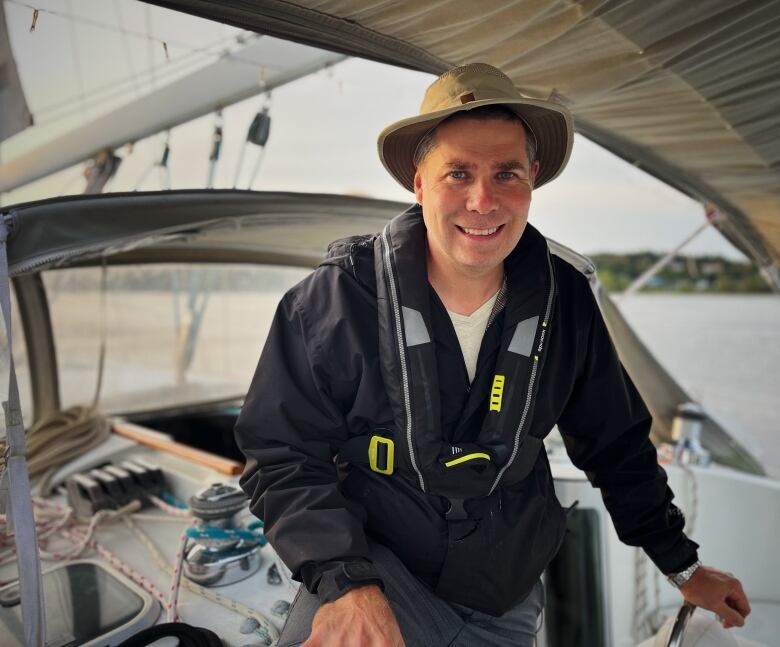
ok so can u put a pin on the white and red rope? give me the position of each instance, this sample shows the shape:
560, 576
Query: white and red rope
57, 522
173, 592
168, 508
209, 594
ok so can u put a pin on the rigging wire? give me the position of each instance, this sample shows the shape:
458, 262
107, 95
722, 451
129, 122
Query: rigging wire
149, 49
257, 134
256, 168
176, 65
219, 48
113, 90
113, 28
102, 321
239, 38
161, 165
216, 149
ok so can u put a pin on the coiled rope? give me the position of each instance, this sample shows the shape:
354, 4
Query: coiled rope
58, 438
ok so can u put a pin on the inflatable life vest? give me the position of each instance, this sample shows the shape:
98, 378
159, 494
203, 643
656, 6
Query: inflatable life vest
502, 453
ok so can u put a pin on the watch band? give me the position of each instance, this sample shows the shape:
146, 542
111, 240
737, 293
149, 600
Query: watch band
679, 579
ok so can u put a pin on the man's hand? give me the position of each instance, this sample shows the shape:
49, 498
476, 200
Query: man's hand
719, 592
360, 618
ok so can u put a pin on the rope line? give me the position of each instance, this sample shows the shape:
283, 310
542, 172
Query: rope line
57, 521
60, 437
210, 594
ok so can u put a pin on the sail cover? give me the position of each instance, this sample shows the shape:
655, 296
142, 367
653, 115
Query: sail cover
13, 107
688, 91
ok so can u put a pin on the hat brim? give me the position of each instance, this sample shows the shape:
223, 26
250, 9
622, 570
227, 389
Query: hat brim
550, 123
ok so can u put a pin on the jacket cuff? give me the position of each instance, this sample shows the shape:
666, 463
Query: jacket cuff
333, 579
677, 558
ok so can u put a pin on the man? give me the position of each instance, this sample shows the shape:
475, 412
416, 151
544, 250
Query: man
394, 427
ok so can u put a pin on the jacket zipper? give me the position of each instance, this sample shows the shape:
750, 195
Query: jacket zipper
532, 380
401, 351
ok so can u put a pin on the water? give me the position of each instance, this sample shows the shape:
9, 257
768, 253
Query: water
724, 350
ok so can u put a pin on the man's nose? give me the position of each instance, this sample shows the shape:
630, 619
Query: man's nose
481, 197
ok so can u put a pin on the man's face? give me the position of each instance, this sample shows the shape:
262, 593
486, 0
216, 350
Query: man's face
475, 190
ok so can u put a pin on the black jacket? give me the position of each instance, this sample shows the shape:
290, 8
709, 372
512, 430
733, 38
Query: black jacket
318, 384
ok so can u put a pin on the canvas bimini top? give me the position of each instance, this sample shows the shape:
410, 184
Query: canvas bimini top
687, 91
198, 224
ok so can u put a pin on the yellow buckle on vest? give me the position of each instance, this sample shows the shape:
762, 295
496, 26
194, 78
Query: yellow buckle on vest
373, 452
497, 393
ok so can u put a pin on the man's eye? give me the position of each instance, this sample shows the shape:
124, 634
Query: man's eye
506, 175
458, 175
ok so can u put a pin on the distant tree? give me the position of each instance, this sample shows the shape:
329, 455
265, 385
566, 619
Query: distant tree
683, 274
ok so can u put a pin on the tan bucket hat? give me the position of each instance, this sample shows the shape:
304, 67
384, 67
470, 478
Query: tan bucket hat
473, 86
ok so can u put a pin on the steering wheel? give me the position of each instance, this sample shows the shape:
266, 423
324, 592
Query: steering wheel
680, 622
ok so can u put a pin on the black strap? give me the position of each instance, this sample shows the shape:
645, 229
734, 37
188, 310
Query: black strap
356, 452
188, 636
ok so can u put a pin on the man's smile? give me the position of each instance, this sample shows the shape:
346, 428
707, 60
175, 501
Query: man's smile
480, 233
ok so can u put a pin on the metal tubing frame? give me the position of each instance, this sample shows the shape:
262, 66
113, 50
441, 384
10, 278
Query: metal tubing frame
35, 321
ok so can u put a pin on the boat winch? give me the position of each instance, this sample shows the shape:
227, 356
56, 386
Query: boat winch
220, 550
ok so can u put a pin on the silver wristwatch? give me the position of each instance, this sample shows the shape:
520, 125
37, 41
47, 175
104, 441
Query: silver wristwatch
679, 579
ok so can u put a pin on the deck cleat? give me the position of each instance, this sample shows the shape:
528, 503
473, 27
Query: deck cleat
281, 608
273, 577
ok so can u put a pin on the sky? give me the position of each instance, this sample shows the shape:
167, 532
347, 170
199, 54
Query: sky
86, 57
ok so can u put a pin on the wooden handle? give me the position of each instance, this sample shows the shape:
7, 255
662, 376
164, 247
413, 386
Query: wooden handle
156, 440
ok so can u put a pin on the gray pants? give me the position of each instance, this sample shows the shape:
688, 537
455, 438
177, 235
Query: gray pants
426, 620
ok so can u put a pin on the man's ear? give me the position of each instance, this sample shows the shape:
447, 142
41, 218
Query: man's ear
418, 192
534, 172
